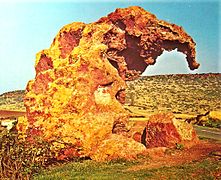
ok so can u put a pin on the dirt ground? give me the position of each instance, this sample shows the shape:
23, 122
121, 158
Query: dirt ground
6, 113
162, 157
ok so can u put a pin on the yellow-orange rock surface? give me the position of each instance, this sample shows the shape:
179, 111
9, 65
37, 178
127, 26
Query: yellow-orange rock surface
75, 99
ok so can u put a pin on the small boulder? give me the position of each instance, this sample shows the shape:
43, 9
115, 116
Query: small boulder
117, 147
164, 130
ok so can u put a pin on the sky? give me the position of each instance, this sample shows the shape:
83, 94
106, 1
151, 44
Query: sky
27, 27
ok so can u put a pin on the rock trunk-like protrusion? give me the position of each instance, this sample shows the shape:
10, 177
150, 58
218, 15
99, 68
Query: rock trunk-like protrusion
139, 38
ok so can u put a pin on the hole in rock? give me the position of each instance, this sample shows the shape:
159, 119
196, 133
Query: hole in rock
120, 24
113, 63
120, 96
143, 137
172, 62
132, 54
107, 85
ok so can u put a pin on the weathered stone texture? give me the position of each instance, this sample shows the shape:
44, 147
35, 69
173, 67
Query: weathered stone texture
139, 38
74, 100
164, 130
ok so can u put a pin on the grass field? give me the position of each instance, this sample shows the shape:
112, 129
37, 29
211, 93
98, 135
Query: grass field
202, 161
209, 168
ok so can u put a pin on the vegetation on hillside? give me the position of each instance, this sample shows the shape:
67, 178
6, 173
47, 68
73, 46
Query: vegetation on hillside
12, 100
189, 94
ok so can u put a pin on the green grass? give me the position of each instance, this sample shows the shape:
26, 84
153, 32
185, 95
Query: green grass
88, 169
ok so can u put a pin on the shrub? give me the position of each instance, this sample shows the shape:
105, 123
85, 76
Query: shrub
19, 160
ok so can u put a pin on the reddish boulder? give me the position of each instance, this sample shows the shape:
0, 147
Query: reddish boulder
163, 130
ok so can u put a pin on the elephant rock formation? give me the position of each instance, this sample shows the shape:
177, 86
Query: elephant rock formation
75, 100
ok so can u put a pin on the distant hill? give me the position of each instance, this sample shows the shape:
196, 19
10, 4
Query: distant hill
12, 100
184, 93
17, 93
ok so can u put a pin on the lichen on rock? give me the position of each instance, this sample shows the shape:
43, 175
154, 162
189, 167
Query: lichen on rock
75, 99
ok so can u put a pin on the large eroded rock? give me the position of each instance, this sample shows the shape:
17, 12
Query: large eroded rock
75, 99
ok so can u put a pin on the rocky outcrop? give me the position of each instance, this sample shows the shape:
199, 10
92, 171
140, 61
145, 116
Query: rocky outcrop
164, 130
74, 102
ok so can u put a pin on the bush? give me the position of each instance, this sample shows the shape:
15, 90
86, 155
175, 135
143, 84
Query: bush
19, 160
